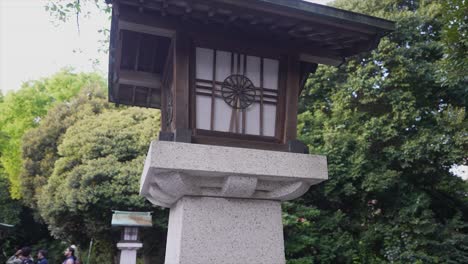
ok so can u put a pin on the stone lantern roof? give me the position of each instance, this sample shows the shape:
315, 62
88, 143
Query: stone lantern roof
134, 219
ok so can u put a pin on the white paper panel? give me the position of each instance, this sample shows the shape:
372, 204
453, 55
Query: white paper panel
253, 70
269, 120
222, 111
270, 71
252, 119
222, 115
204, 67
223, 65
203, 109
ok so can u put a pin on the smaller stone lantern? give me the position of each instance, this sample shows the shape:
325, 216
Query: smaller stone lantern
129, 242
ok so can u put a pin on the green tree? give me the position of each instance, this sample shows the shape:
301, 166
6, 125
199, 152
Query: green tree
96, 167
23, 109
26, 230
454, 66
392, 130
40, 144
9, 209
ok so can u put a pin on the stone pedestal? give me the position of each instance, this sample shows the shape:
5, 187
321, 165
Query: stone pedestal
225, 202
128, 251
222, 230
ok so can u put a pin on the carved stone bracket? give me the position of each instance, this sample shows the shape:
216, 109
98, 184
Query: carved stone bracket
173, 170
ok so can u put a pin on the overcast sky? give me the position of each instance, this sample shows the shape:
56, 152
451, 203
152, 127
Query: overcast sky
31, 46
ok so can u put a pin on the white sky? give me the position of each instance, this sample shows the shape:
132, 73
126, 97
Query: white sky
32, 47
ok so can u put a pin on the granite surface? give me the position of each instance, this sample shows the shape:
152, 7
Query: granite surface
208, 230
174, 170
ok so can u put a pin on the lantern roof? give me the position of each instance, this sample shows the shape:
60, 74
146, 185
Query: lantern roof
318, 34
137, 219
6, 226
338, 32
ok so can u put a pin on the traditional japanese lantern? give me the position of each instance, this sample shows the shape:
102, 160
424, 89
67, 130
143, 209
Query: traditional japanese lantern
227, 75
129, 243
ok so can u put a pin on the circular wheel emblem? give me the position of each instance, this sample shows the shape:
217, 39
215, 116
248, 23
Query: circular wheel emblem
238, 91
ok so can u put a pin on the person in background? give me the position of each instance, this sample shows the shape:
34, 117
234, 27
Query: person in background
15, 259
22, 256
25, 256
70, 256
42, 257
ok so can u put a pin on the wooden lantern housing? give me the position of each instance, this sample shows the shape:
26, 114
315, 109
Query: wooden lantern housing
229, 72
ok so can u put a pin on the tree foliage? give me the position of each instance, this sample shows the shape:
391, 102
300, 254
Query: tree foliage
22, 110
454, 66
82, 162
101, 158
9, 209
40, 144
391, 129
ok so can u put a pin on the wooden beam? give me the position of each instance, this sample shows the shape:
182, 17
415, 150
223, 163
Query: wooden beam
213, 86
339, 19
213, 38
306, 69
239, 143
181, 80
292, 90
237, 140
354, 28
118, 55
141, 28
138, 78
333, 61
261, 96
137, 53
208, 35
166, 91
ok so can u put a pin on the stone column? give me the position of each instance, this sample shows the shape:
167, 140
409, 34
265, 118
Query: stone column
128, 251
225, 203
